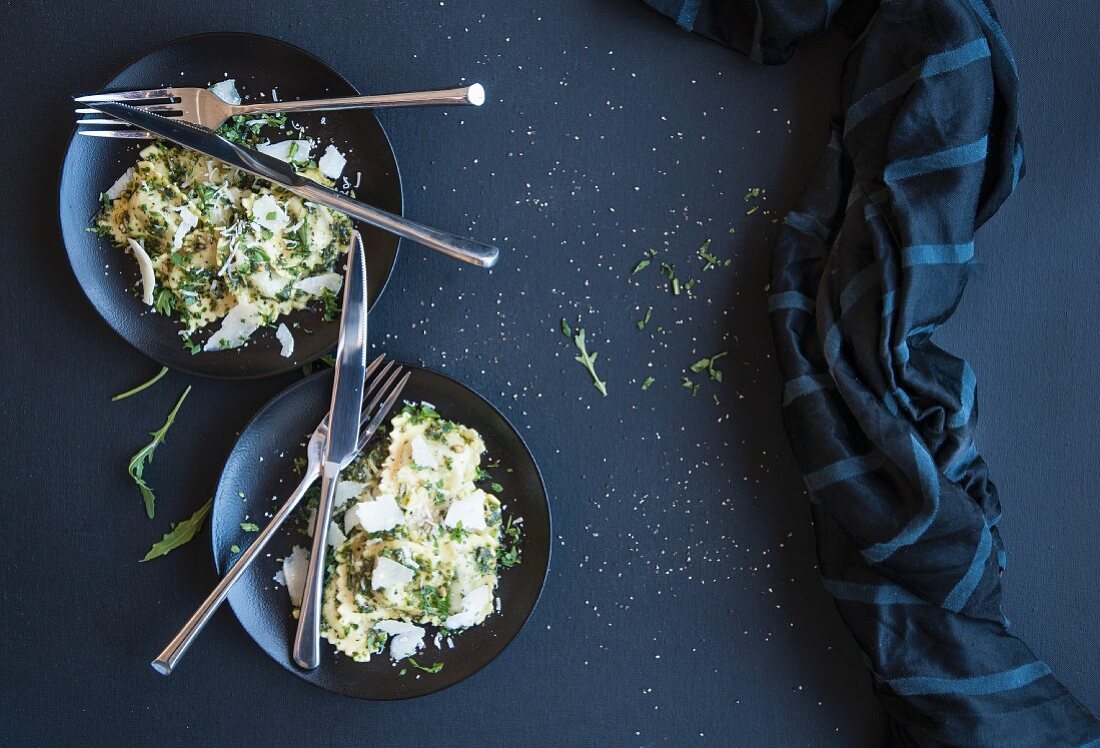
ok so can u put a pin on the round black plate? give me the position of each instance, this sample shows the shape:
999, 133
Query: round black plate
261, 469
259, 64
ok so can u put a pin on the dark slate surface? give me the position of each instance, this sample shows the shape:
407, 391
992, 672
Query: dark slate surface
682, 605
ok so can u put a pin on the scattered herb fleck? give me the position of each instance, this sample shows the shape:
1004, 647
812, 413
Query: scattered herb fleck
588, 361
645, 320
648, 383
433, 669
140, 387
180, 533
250, 527
144, 456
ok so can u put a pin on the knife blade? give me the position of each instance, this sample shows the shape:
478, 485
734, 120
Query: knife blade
208, 142
340, 446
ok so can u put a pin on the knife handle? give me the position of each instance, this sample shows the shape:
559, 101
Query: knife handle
307, 640
467, 250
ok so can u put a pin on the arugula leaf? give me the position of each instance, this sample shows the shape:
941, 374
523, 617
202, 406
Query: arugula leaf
180, 534
140, 387
588, 361
433, 669
145, 456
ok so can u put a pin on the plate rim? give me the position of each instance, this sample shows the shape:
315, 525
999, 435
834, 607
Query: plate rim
286, 392
229, 377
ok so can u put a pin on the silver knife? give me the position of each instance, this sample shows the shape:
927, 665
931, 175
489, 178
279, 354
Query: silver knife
340, 447
262, 165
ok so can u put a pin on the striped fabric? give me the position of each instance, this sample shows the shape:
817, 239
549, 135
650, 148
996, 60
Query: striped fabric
869, 262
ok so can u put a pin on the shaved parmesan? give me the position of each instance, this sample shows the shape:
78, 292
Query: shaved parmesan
318, 284
422, 453
389, 575
268, 284
145, 265
336, 536
348, 489
407, 638
332, 162
473, 605
115, 190
237, 327
295, 568
470, 511
188, 221
267, 212
286, 339
381, 514
226, 91
282, 150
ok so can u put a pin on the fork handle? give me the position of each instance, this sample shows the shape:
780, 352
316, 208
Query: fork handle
467, 250
474, 95
167, 659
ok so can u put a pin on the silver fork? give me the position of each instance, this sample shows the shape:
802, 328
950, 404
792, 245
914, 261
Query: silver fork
201, 107
382, 392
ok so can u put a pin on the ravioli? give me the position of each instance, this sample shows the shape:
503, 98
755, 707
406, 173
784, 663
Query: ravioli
410, 559
219, 238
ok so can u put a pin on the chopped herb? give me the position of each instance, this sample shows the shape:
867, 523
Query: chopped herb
271, 215
165, 302
180, 533
145, 456
642, 265
140, 387
645, 320
497, 488
588, 361
648, 383
690, 385
250, 527
433, 669
675, 286
566, 330
752, 210
234, 549
707, 365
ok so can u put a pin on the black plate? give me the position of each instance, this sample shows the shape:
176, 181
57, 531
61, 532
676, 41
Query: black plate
261, 468
259, 64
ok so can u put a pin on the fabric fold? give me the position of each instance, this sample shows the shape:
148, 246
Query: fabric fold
871, 259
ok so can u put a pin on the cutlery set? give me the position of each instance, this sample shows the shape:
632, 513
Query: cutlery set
362, 394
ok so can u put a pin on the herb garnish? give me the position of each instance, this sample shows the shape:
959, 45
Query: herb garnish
707, 365
156, 378
250, 527
180, 533
588, 361
433, 669
648, 383
645, 320
145, 456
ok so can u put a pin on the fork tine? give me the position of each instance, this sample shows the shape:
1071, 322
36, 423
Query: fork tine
159, 108
372, 386
151, 93
128, 134
367, 376
100, 121
385, 408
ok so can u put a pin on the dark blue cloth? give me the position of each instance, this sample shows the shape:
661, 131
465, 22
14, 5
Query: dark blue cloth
869, 262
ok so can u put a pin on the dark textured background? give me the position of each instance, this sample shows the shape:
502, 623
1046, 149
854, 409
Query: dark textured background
682, 605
